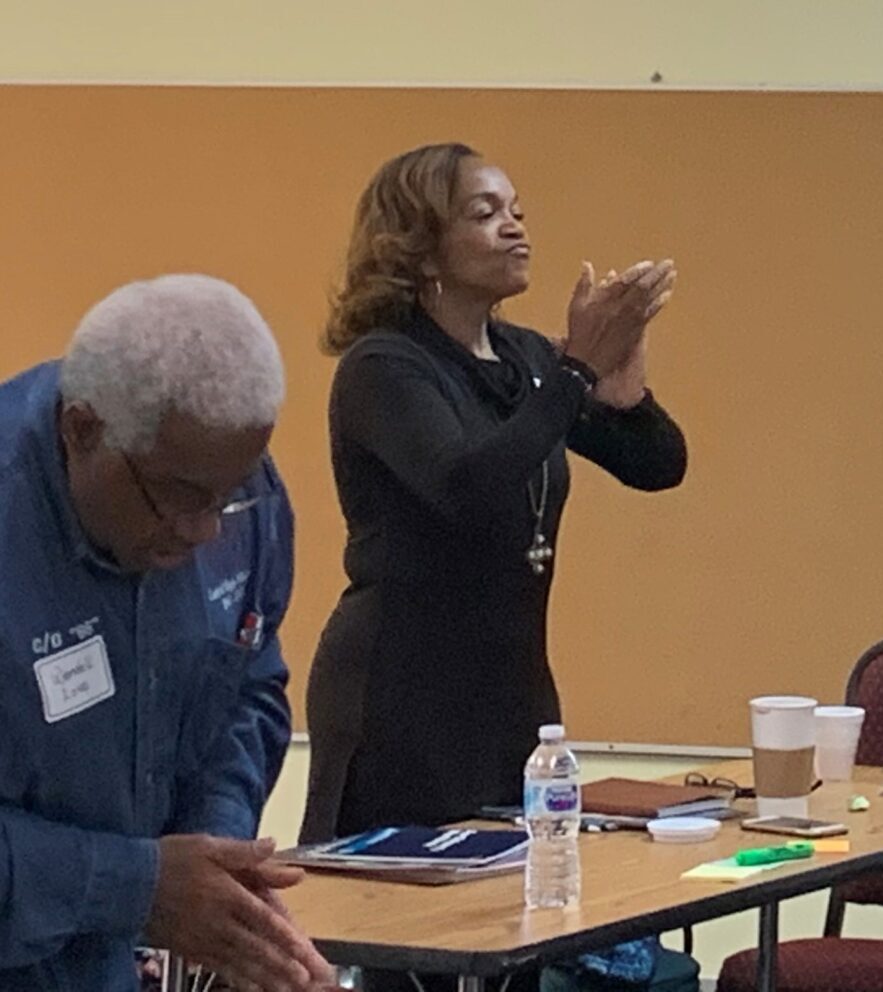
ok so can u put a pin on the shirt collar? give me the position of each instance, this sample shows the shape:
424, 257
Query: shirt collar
49, 454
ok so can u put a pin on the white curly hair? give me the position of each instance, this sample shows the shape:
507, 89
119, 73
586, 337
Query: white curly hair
190, 343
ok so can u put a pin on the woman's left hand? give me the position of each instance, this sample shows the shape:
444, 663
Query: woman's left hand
624, 387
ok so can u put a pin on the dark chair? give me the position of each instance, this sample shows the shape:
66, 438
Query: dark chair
833, 963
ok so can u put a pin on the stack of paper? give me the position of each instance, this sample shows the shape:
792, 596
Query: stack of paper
424, 855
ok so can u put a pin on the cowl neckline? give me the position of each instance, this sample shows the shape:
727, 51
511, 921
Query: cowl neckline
506, 383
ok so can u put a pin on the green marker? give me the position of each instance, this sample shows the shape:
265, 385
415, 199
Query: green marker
769, 855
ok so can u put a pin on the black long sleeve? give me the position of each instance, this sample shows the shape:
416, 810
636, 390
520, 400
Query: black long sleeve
394, 406
641, 446
448, 469
398, 405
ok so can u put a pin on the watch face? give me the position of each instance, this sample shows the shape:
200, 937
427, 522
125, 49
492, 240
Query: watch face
584, 381
579, 368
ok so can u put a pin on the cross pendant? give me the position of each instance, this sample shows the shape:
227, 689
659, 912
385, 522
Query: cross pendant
538, 554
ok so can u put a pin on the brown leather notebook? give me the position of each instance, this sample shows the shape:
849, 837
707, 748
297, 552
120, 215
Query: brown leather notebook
633, 797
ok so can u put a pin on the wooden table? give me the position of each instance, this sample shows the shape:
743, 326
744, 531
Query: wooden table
631, 887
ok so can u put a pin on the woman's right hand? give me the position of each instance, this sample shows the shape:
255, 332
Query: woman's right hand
605, 322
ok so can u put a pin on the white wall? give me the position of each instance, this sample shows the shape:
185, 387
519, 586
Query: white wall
693, 43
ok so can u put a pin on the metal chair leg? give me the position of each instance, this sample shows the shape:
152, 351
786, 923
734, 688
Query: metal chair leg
178, 974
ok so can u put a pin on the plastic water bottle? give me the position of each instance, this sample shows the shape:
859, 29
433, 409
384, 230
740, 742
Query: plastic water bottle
551, 814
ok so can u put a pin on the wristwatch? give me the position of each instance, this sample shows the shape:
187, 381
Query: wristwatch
579, 370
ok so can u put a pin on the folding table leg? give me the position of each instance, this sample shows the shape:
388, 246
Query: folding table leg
767, 947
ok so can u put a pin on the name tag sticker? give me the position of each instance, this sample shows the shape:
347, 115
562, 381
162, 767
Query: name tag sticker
74, 679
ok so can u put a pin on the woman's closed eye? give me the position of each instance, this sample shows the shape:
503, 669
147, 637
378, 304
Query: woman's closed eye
488, 213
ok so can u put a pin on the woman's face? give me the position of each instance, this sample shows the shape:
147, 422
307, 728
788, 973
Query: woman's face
485, 253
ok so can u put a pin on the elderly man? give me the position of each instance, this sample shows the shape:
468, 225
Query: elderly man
146, 560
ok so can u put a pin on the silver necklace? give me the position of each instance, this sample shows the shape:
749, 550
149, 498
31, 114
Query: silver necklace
539, 552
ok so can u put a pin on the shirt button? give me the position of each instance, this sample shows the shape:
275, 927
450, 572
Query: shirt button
148, 778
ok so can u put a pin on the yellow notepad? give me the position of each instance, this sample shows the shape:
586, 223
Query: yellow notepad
726, 870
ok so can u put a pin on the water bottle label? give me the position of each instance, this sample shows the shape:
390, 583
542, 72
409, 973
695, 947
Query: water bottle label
544, 798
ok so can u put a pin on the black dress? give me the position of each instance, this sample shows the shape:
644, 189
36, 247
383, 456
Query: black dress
431, 677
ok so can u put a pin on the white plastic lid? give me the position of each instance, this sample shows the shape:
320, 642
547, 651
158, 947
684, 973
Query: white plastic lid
683, 829
552, 732
840, 712
765, 703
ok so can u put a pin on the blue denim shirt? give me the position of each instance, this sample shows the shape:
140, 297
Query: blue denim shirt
129, 708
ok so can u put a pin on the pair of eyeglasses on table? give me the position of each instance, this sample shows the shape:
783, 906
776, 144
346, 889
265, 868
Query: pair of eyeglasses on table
735, 790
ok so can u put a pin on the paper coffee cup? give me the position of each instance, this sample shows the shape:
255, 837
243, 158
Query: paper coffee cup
783, 741
838, 729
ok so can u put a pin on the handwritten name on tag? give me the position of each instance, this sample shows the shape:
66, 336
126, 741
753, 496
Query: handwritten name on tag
75, 679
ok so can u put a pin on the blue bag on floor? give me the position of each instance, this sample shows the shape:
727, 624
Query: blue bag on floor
635, 966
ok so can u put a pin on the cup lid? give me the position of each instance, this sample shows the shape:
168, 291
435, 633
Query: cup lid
839, 712
783, 702
683, 829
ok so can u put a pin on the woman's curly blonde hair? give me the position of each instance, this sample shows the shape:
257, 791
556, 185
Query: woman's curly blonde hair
400, 218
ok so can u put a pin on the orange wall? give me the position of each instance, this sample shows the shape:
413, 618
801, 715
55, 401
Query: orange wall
759, 574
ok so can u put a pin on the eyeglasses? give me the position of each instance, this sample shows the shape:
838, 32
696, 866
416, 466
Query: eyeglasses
182, 501
736, 791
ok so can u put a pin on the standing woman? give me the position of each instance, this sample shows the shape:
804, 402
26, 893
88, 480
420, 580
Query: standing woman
449, 429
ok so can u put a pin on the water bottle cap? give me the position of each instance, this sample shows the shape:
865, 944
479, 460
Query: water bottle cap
552, 732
